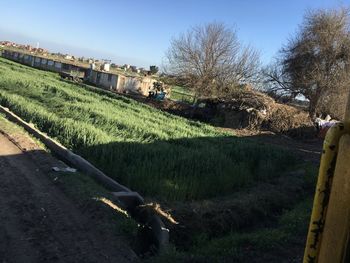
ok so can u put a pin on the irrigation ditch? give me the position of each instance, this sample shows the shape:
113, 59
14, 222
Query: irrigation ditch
153, 235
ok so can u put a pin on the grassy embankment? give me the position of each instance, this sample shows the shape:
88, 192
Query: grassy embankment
156, 153
164, 157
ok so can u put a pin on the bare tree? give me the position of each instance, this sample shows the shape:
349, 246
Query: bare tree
276, 82
210, 60
316, 62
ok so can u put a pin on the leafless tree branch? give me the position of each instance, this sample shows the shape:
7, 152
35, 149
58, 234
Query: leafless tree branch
211, 60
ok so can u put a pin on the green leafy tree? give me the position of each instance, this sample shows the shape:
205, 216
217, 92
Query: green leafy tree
153, 69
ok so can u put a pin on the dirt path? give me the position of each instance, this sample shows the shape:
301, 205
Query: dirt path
39, 223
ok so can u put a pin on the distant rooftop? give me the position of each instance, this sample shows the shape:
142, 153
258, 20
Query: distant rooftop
66, 58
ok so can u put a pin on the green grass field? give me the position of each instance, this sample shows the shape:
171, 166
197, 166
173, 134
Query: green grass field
182, 94
177, 162
155, 153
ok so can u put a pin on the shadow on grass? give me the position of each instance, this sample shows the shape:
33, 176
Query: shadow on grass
309, 149
189, 168
213, 185
252, 170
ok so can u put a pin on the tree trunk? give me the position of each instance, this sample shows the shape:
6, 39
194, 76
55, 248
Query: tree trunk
313, 107
314, 100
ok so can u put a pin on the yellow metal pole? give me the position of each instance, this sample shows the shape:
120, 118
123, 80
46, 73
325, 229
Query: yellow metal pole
337, 224
324, 187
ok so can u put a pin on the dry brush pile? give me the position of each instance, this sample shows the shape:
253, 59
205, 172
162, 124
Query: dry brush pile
254, 110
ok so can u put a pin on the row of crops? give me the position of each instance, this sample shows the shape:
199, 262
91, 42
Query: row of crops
153, 152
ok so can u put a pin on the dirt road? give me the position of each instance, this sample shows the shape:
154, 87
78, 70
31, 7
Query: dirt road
38, 223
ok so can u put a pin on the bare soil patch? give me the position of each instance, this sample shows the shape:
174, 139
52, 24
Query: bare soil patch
39, 222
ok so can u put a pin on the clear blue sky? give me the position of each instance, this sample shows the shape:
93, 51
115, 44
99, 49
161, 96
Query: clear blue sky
138, 31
